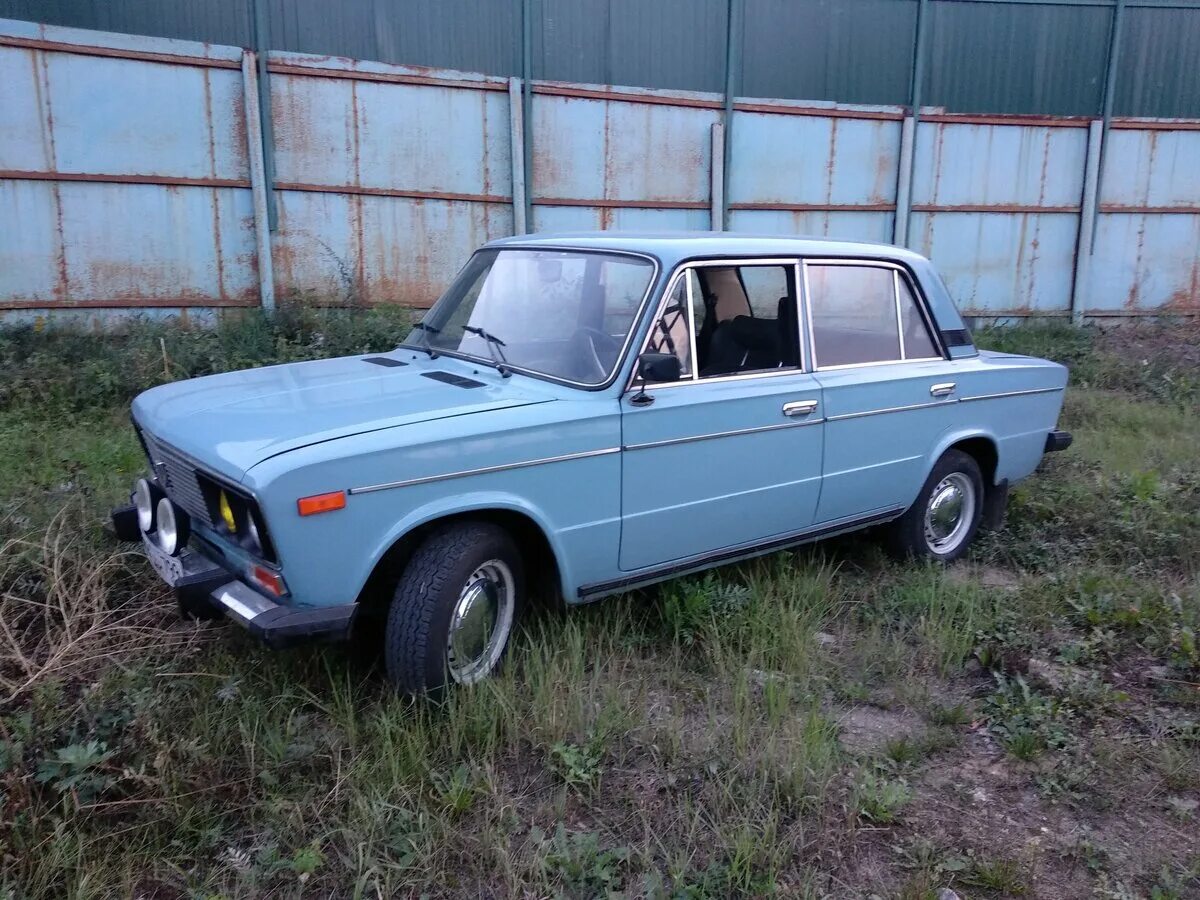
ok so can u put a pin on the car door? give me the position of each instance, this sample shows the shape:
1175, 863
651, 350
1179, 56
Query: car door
730, 454
888, 390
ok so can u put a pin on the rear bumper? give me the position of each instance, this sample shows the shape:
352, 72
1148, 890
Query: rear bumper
1058, 440
206, 590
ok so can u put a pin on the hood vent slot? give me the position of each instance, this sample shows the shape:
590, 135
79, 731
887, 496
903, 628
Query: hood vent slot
451, 378
386, 361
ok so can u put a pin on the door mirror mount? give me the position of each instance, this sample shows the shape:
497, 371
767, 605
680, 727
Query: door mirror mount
655, 368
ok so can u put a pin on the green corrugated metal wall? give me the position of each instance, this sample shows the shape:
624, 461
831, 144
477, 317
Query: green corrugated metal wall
985, 56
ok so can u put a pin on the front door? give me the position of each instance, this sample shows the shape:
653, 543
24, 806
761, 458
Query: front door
729, 455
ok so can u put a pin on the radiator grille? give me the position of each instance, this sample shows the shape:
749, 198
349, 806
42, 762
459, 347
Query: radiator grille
177, 478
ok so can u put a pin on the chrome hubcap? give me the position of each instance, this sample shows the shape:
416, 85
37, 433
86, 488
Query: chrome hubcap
481, 622
950, 512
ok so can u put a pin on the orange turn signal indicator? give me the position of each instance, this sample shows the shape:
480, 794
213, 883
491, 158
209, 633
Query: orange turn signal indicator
319, 503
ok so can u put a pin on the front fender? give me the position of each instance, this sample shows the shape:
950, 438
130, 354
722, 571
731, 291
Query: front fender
476, 501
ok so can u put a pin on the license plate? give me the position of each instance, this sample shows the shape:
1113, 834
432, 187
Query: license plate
169, 568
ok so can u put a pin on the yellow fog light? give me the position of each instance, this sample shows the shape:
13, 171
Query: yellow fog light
227, 513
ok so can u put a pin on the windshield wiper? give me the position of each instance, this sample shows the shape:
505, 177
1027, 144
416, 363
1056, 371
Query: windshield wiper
426, 331
494, 344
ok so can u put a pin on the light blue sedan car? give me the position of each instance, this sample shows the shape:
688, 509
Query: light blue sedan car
578, 415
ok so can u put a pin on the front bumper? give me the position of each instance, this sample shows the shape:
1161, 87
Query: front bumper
206, 590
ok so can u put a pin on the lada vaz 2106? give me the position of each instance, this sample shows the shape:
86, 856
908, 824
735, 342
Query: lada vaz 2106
583, 414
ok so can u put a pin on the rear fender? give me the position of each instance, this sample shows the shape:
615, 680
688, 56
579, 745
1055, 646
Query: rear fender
947, 440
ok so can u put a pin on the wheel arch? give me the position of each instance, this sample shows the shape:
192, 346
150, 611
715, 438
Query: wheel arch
529, 529
981, 445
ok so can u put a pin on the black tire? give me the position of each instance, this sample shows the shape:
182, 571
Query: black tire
418, 622
907, 536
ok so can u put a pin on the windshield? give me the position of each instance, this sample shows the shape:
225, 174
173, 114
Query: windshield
562, 313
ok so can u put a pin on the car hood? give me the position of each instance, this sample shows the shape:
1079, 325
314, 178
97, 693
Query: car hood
236, 420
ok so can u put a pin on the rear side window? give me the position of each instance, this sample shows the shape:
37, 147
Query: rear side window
917, 342
853, 314
864, 314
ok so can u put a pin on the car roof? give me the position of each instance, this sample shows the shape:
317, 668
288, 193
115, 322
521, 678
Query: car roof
671, 246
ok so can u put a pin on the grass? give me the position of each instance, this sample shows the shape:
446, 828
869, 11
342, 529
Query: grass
821, 723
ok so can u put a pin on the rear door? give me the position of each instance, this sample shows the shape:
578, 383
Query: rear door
888, 389
730, 455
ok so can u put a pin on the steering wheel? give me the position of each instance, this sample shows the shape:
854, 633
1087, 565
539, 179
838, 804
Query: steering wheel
596, 352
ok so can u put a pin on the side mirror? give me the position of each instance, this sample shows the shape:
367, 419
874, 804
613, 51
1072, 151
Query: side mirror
659, 367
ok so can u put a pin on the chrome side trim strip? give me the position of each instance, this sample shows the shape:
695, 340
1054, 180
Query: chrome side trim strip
486, 470
943, 402
889, 409
650, 575
1057, 390
690, 439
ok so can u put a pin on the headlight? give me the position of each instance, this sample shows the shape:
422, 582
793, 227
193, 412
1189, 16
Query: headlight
251, 539
236, 518
172, 527
146, 497
225, 508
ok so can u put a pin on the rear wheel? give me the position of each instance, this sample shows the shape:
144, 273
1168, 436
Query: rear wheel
454, 608
944, 518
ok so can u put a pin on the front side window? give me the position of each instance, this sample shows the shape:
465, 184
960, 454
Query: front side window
671, 331
864, 314
561, 313
743, 320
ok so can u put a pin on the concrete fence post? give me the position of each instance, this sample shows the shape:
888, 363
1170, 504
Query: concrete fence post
1088, 209
908, 137
258, 182
717, 179
516, 123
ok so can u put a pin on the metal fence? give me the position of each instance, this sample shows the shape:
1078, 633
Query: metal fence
983, 56
134, 175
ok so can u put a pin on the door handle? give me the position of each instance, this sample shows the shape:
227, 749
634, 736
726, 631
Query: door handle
800, 408
942, 390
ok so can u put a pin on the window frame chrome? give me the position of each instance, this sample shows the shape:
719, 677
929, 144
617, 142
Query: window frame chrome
898, 272
680, 271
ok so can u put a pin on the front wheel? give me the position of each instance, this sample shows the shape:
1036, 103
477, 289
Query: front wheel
454, 609
945, 517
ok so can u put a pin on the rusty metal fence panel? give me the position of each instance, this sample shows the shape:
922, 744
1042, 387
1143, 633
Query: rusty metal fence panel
606, 162
797, 170
131, 179
998, 207
125, 179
